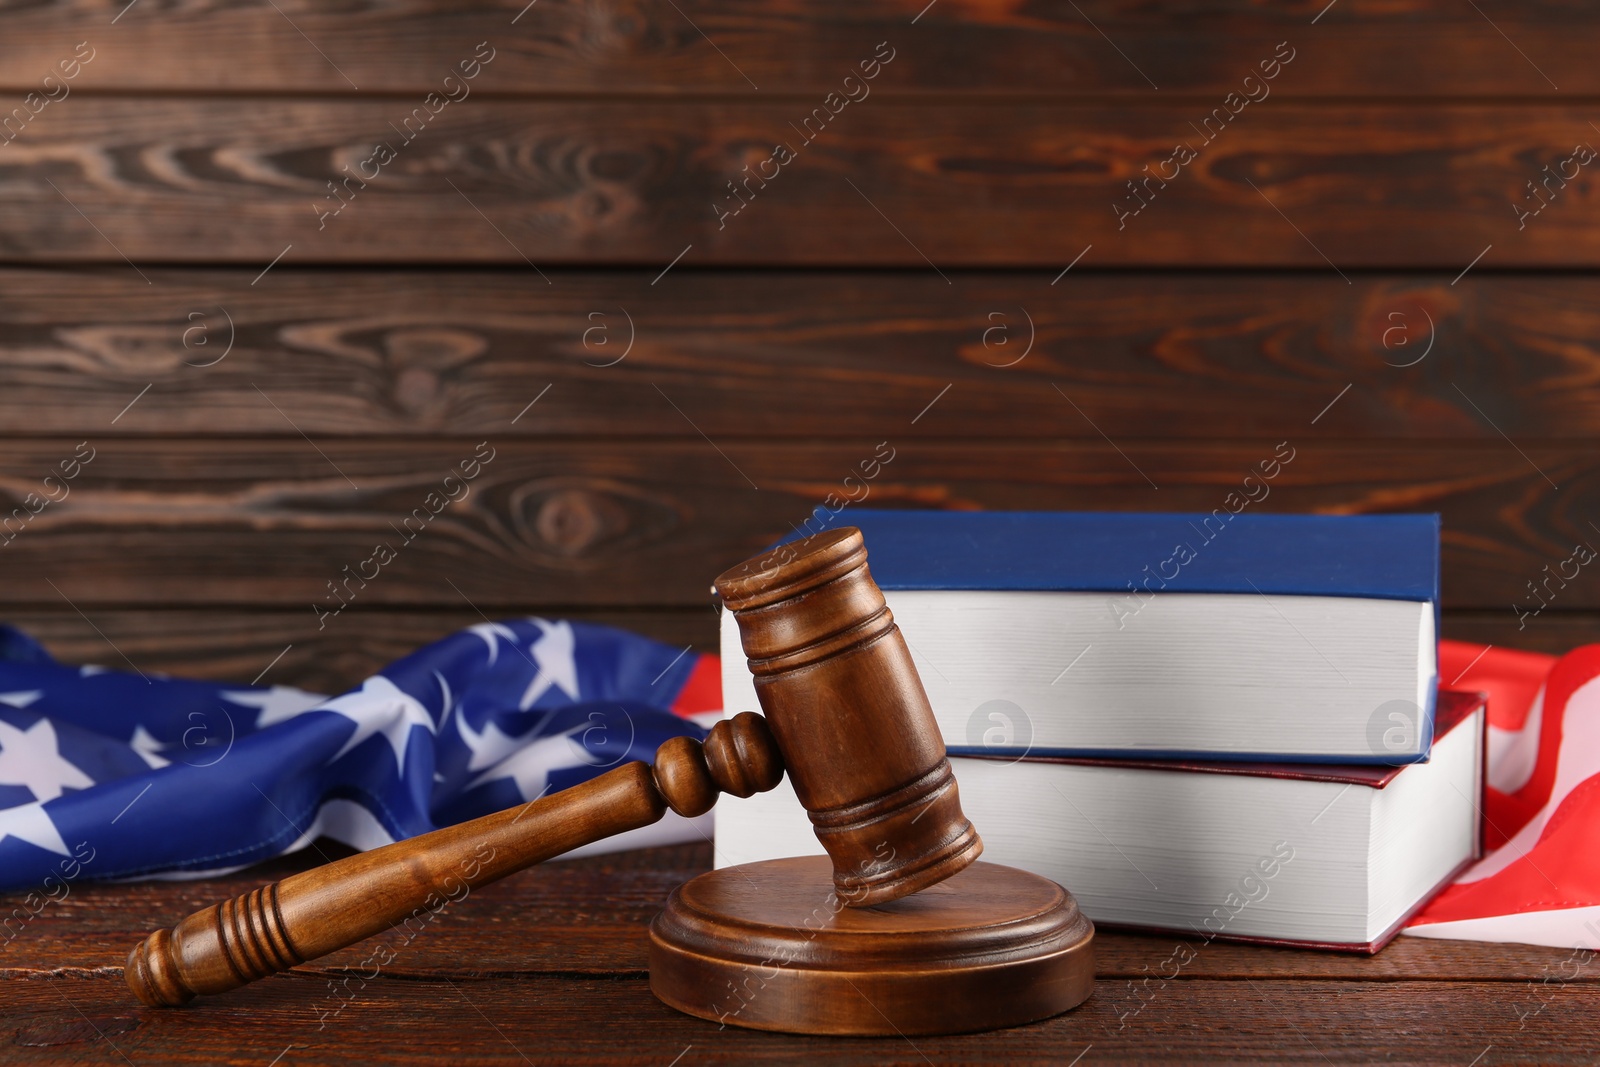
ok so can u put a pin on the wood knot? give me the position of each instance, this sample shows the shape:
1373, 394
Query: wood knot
438, 348
585, 521
422, 358
571, 520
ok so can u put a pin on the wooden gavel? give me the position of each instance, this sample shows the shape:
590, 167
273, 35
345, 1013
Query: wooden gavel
845, 713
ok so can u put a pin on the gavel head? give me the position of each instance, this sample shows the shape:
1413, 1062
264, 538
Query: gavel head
849, 714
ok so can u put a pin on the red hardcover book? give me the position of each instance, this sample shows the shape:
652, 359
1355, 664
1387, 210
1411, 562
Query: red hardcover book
1455, 709
1305, 855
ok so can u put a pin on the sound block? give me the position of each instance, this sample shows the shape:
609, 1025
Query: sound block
771, 947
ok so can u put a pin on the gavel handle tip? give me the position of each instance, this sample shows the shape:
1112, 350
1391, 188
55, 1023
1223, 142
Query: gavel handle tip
152, 974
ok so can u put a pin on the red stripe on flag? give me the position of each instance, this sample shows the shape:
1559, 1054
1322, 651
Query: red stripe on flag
1509, 677
702, 691
1561, 871
1509, 813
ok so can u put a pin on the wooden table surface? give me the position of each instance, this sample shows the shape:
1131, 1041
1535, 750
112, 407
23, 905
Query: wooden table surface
549, 967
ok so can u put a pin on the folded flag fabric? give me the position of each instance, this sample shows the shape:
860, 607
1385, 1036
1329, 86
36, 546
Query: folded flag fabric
1539, 882
106, 774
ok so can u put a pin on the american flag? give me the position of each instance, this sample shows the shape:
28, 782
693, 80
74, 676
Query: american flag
109, 774
1539, 883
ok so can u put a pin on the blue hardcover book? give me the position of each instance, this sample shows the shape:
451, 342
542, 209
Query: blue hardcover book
1296, 638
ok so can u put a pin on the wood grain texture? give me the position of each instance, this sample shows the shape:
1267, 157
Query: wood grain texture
554, 957
798, 354
1425, 47
168, 179
622, 524
1551, 632
572, 1020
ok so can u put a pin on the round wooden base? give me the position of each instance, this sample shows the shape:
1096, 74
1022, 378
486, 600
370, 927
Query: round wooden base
769, 946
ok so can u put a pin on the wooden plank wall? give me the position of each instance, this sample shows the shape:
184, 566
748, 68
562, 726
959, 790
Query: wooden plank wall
257, 340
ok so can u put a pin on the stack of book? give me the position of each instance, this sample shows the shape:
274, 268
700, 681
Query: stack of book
1225, 725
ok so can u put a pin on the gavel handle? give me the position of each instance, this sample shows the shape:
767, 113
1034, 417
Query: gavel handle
316, 912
